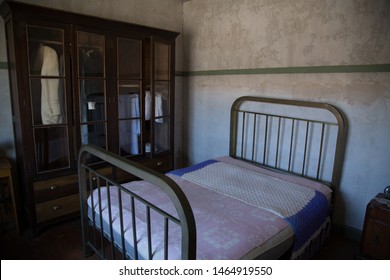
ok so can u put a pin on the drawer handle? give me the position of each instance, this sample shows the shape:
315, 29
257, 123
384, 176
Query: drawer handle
54, 187
56, 207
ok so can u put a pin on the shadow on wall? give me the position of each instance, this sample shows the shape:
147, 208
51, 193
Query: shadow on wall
339, 223
7, 149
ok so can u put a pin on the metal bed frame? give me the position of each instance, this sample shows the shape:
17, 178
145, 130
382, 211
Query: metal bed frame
251, 135
339, 123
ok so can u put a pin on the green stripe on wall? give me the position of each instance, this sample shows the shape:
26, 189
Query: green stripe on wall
281, 70
292, 70
3, 65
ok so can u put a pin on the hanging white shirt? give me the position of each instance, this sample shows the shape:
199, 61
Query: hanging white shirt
50, 99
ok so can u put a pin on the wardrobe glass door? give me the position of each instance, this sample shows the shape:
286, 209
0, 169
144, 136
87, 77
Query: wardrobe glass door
92, 88
129, 81
48, 98
162, 96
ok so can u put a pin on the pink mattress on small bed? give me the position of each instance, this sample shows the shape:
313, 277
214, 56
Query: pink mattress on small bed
241, 211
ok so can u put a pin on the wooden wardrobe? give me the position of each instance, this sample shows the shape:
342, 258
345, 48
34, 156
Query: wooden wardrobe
77, 80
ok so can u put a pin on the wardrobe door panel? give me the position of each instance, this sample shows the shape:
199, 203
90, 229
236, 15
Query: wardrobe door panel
48, 97
94, 134
162, 132
45, 51
129, 58
162, 97
92, 100
92, 97
161, 61
129, 117
51, 148
48, 101
129, 83
90, 48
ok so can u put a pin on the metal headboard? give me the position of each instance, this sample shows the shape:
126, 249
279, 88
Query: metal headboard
294, 139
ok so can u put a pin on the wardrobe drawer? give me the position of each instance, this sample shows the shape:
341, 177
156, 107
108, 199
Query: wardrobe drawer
380, 214
162, 163
57, 207
55, 188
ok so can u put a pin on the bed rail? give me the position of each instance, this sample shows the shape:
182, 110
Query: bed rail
90, 178
309, 147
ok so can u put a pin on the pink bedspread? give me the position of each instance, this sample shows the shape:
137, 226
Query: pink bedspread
227, 228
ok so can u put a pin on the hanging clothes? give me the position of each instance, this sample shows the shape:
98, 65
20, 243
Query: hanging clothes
50, 99
129, 130
158, 107
158, 103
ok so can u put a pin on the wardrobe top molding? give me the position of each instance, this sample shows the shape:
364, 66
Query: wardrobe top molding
23, 12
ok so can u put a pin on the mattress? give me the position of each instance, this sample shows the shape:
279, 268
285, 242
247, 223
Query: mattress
241, 212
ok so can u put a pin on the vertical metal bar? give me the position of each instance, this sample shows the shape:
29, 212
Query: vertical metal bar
100, 216
320, 152
305, 150
110, 221
85, 185
277, 143
93, 213
254, 137
134, 226
291, 144
166, 223
265, 138
152, 82
242, 135
121, 223
233, 132
149, 232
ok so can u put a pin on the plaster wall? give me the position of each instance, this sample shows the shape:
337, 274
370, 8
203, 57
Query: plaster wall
7, 147
278, 33
229, 34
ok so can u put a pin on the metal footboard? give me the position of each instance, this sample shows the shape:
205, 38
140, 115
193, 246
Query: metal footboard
91, 178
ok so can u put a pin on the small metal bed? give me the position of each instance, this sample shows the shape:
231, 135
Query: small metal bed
293, 139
